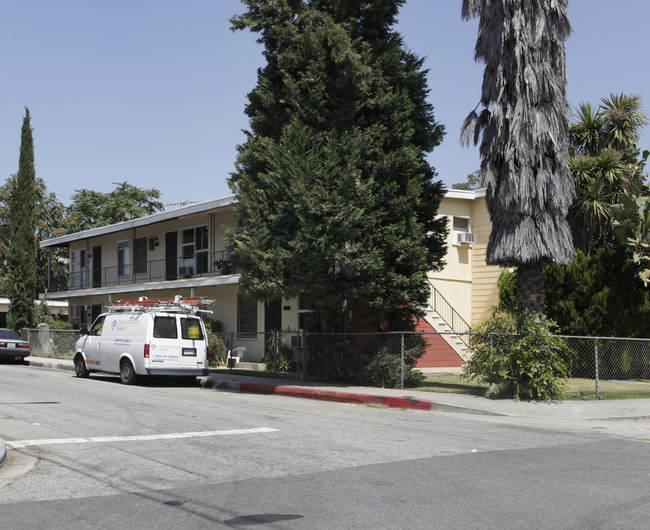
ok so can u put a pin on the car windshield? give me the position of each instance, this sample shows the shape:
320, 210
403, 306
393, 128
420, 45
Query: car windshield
8, 334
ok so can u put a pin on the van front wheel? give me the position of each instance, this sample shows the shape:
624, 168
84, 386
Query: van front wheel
80, 369
127, 373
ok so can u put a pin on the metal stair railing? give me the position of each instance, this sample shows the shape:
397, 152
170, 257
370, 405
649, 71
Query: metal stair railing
449, 315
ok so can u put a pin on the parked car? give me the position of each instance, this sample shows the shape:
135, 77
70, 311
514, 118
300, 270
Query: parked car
12, 346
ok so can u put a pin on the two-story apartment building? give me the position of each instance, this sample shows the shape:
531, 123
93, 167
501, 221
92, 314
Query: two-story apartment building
182, 252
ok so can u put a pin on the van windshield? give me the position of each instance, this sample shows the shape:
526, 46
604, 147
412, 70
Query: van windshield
165, 328
191, 329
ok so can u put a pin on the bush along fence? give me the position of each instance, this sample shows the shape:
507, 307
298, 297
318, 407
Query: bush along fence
592, 365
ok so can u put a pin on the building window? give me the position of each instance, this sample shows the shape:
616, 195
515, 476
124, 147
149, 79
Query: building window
461, 224
462, 231
140, 250
123, 258
194, 243
246, 317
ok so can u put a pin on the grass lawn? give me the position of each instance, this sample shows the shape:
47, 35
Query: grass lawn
576, 389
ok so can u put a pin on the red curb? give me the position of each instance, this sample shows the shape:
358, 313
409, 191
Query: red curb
341, 397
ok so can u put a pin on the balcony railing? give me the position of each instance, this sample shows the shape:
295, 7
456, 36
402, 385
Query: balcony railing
168, 269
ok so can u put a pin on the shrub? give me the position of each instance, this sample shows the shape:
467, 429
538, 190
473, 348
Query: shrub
217, 350
286, 361
366, 359
518, 356
507, 285
385, 370
599, 296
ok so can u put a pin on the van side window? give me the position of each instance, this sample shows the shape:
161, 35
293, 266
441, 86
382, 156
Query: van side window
191, 329
98, 326
165, 328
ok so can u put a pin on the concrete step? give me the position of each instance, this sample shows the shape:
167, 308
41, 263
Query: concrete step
258, 367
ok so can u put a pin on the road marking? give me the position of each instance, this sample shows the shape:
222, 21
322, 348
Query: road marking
17, 444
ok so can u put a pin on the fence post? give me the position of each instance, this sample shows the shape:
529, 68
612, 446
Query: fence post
596, 367
402, 336
276, 352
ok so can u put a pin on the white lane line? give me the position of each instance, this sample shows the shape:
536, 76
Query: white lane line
16, 444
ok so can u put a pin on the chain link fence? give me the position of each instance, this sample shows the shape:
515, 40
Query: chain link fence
53, 343
601, 367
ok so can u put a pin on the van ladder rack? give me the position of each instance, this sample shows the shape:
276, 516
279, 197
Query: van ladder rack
178, 304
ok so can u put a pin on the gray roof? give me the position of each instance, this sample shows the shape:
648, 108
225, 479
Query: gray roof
167, 215
193, 208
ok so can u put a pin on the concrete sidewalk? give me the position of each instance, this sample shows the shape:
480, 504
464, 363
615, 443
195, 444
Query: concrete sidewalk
626, 409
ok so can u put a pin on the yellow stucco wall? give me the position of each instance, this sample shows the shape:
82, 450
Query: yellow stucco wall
466, 282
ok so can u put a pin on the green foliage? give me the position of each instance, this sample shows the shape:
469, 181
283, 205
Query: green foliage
606, 165
56, 323
385, 369
632, 224
474, 182
337, 197
286, 357
598, 295
218, 350
22, 257
364, 359
519, 356
507, 286
51, 263
216, 343
91, 209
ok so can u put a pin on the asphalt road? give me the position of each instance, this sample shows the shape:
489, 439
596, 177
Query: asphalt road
96, 454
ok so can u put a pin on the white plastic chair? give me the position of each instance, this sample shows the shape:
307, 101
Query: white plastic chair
237, 355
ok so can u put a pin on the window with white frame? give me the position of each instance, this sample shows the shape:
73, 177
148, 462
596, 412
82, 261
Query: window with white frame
123, 258
194, 248
461, 231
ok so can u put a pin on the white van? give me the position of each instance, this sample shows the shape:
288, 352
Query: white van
149, 339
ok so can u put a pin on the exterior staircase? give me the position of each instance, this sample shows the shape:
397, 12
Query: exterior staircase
444, 319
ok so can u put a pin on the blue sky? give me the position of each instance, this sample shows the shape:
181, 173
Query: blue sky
153, 91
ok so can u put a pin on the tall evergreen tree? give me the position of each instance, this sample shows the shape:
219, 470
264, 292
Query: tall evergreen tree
524, 133
337, 199
52, 263
22, 235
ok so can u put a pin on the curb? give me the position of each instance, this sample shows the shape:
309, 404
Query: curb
393, 402
53, 364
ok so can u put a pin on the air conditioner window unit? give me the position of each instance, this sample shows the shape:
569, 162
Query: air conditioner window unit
186, 271
465, 238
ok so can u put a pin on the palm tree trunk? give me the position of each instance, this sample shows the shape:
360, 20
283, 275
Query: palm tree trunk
531, 287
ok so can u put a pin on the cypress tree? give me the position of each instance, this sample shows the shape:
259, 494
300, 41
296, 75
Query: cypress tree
338, 201
23, 248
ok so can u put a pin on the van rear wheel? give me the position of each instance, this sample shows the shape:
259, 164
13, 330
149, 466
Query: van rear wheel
127, 373
80, 369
